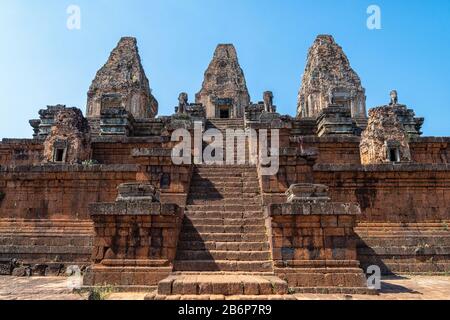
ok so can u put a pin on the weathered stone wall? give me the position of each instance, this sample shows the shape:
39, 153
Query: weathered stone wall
17, 152
108, 150
334, 149
391, 193
59, 191
430, 150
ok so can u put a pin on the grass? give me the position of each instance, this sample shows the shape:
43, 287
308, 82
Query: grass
89, 162
100, 293
291, 291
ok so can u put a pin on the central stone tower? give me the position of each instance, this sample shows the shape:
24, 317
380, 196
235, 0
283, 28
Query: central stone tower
224, 91
329, 80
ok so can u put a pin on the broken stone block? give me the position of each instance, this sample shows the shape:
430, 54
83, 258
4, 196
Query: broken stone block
136, 191
6, 267
39, 270
21, 272
305, 192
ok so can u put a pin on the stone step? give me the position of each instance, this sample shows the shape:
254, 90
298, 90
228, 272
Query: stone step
403, 234
220, 173
215, 195
219, 177
222, 127
396, 267
224, 208
221, 265
222, 189
214, 245
45, 231
45, 240
226, 285
223, 255
226, 201
377, 225
214, 179
46, 222
47, 249
404, 250
224, 214
224, 222
222, 237
223, 229
225, 184
404, 242
225, 168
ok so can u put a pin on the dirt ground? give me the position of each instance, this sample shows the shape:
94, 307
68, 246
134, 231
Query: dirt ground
399, 288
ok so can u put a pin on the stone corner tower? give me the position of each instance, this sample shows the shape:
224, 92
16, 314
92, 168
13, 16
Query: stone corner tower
224, 91
329, 80
122, 83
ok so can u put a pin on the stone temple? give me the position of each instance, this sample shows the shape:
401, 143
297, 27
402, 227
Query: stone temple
100, 190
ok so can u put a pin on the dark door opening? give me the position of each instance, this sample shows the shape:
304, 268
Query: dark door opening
224, 113
393, 155
59, 155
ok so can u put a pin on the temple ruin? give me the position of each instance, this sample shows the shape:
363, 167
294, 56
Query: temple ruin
101, 191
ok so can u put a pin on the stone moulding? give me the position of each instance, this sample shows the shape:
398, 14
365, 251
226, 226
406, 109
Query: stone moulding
404, 167
25, 169
314, 207
151, 152
134, 207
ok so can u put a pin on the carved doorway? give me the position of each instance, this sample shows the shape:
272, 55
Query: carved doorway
224, 112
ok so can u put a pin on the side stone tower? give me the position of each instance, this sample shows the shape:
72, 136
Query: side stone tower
329, 80
384, 139
122, 83
224, 91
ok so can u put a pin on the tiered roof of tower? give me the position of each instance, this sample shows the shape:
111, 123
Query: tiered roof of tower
224, 83
122, 82
329, 79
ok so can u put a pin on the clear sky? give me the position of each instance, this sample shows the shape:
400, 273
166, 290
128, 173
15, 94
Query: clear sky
42, 62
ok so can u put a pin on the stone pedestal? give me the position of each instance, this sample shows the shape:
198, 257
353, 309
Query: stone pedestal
313, 242
336, 120
43, 125
116, 121
135, 239
407, 118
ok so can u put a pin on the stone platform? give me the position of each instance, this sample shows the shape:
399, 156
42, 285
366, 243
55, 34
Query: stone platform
222, 284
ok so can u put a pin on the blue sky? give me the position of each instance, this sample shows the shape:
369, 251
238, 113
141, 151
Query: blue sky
43, 63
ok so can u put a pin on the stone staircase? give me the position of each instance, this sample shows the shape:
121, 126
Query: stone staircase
235, 124
223, 247
46, 242
405, 248
223, 124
